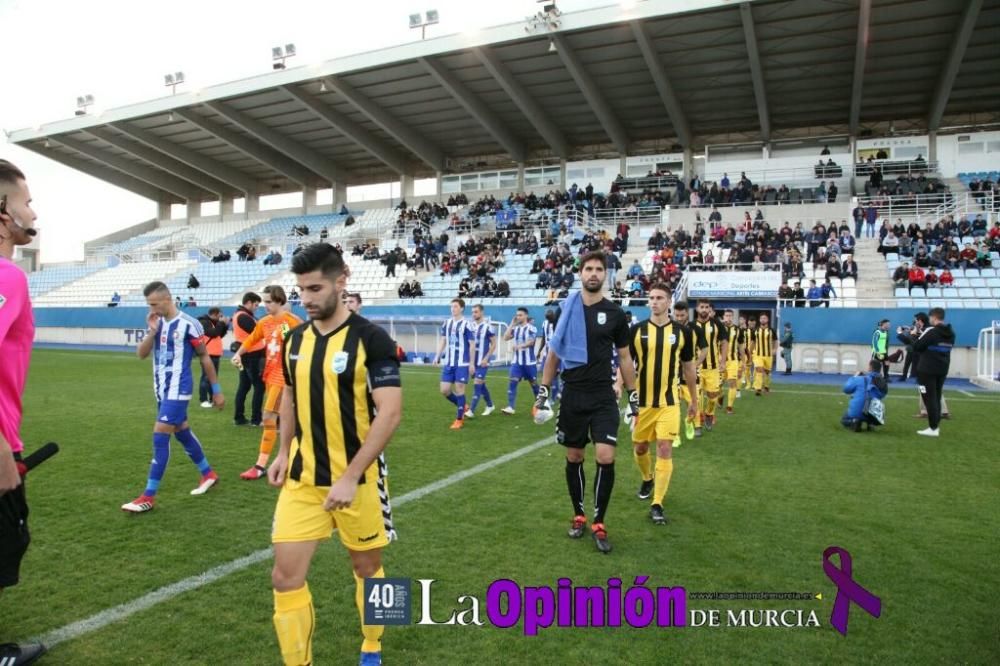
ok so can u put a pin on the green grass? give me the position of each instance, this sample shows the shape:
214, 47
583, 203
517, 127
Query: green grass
753, 505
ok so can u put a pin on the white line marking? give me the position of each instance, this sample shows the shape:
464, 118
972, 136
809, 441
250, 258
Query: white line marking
147, 601
966, 393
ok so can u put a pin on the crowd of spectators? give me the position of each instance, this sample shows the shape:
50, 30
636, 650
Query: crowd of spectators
940, 245
983, 190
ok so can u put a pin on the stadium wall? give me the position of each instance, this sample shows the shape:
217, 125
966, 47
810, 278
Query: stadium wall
843, 332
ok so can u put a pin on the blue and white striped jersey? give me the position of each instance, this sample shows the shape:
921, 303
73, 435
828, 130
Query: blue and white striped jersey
548, 330
458, 333
522, 334
173, 351
483, 336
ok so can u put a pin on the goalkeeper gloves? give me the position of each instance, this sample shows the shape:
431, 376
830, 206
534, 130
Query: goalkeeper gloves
542, 410
633, 402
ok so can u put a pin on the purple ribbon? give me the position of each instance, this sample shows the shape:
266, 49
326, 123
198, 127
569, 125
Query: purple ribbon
847, 590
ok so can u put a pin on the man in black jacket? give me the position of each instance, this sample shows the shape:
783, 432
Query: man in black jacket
908, 336
934, 348
215, 326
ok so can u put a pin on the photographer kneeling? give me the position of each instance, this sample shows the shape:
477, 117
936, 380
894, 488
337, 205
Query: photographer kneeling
866, 390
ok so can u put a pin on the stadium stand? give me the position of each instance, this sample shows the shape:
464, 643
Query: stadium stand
220, 284
97, 288
48, 279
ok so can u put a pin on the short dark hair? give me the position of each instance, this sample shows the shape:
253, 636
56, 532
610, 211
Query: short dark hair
523, 309
595, 255
478, 305
705, 301
214, 310
250, 297
461, 302
154, 287
321, 257
10, 174
883, 321
276, 293
355, 295
922, 318
660, 286
936, 312
681, 305
875, 365
728, 311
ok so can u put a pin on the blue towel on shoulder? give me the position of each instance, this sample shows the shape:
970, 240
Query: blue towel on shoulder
569, 341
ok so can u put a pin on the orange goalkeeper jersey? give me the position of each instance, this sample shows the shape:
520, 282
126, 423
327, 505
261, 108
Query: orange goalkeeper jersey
272, 331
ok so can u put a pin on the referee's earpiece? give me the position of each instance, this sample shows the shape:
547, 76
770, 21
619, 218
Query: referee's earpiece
3, 211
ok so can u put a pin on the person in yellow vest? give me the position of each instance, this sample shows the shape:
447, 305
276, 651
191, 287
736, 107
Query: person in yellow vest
215, 326
252, 372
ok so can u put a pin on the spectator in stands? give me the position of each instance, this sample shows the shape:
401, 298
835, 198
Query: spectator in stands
215, 326
191, 303
815, 295
849, 268
890, 245
614, 265
967, 257
831, 193
177, 302
917, 278
901, 275
116, 298
404, 290
785, 294
826, 290
293, 297
825, 151
537, 265
390, 260
799, 295
193, 282
635, 269
252, 253
932, 277
946, 279
833, 269
871, 215
862, 387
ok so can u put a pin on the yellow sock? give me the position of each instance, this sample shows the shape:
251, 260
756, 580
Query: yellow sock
664, 470
294, 619
268, 438
767, 380
371, 632
710, 406
645, 463
758, 381
731, 396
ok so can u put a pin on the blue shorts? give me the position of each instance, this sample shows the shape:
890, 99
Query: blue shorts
520, 371
481, 372
455, 374
173, 412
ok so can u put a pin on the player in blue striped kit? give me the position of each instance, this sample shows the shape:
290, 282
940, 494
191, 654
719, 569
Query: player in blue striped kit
455, 353
174, 338
548, 330
523, 334
486, 344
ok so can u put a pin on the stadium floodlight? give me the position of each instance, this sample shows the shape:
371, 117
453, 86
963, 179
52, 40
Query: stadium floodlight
279, 55
430, 17
552, 46
173, 80
82, 103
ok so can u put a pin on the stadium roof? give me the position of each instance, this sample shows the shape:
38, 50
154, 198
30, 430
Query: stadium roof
633, 79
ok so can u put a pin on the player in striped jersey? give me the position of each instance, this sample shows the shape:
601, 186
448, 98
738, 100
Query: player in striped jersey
763, 354
664, 353
523, 335
682, 318
174, 338
709, 361
733, 358
749, 329
548, 330
456, 352
486, 344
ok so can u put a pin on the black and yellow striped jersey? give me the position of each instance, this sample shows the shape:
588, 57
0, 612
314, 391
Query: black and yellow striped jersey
658, 352
737, 341
332, 377
762, 341
714, 335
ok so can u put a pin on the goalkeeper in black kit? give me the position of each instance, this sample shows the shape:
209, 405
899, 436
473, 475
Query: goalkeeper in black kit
589, 328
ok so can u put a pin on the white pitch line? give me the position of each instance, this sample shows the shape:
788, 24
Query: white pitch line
966, 393
111, 615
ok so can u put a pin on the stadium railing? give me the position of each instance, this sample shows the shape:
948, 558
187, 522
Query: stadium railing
895, 167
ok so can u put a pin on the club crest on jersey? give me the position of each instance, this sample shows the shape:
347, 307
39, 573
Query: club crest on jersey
602, 318
672, 339
339, 363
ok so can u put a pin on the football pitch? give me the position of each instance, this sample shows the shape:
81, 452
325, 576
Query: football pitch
753, 505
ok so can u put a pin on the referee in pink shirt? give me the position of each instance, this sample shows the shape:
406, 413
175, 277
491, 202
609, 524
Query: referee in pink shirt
17, 330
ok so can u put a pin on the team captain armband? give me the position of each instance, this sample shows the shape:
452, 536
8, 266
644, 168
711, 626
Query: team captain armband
384, 374
199, 341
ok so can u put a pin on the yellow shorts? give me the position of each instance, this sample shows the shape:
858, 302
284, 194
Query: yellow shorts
272, 397
709, 380
682, 393
300, 516
732, 370
762, 362
657, 423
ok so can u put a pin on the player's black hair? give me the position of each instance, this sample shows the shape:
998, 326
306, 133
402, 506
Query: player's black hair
680, 305
214, 310
10, 174
321, 257
154, 287
936, 312
250, 297
523, 309
594, 255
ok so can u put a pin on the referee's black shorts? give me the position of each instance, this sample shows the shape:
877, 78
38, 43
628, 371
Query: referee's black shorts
14, 536
587, 416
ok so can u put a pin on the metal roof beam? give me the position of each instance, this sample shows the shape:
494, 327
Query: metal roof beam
321, 165
108, 175
662, 82
223, 172
163, 181
162, 162
524, 101
756, 71
476, 107
609, 121
958, 45
412, 140
860, 59
350, 129
270, 158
